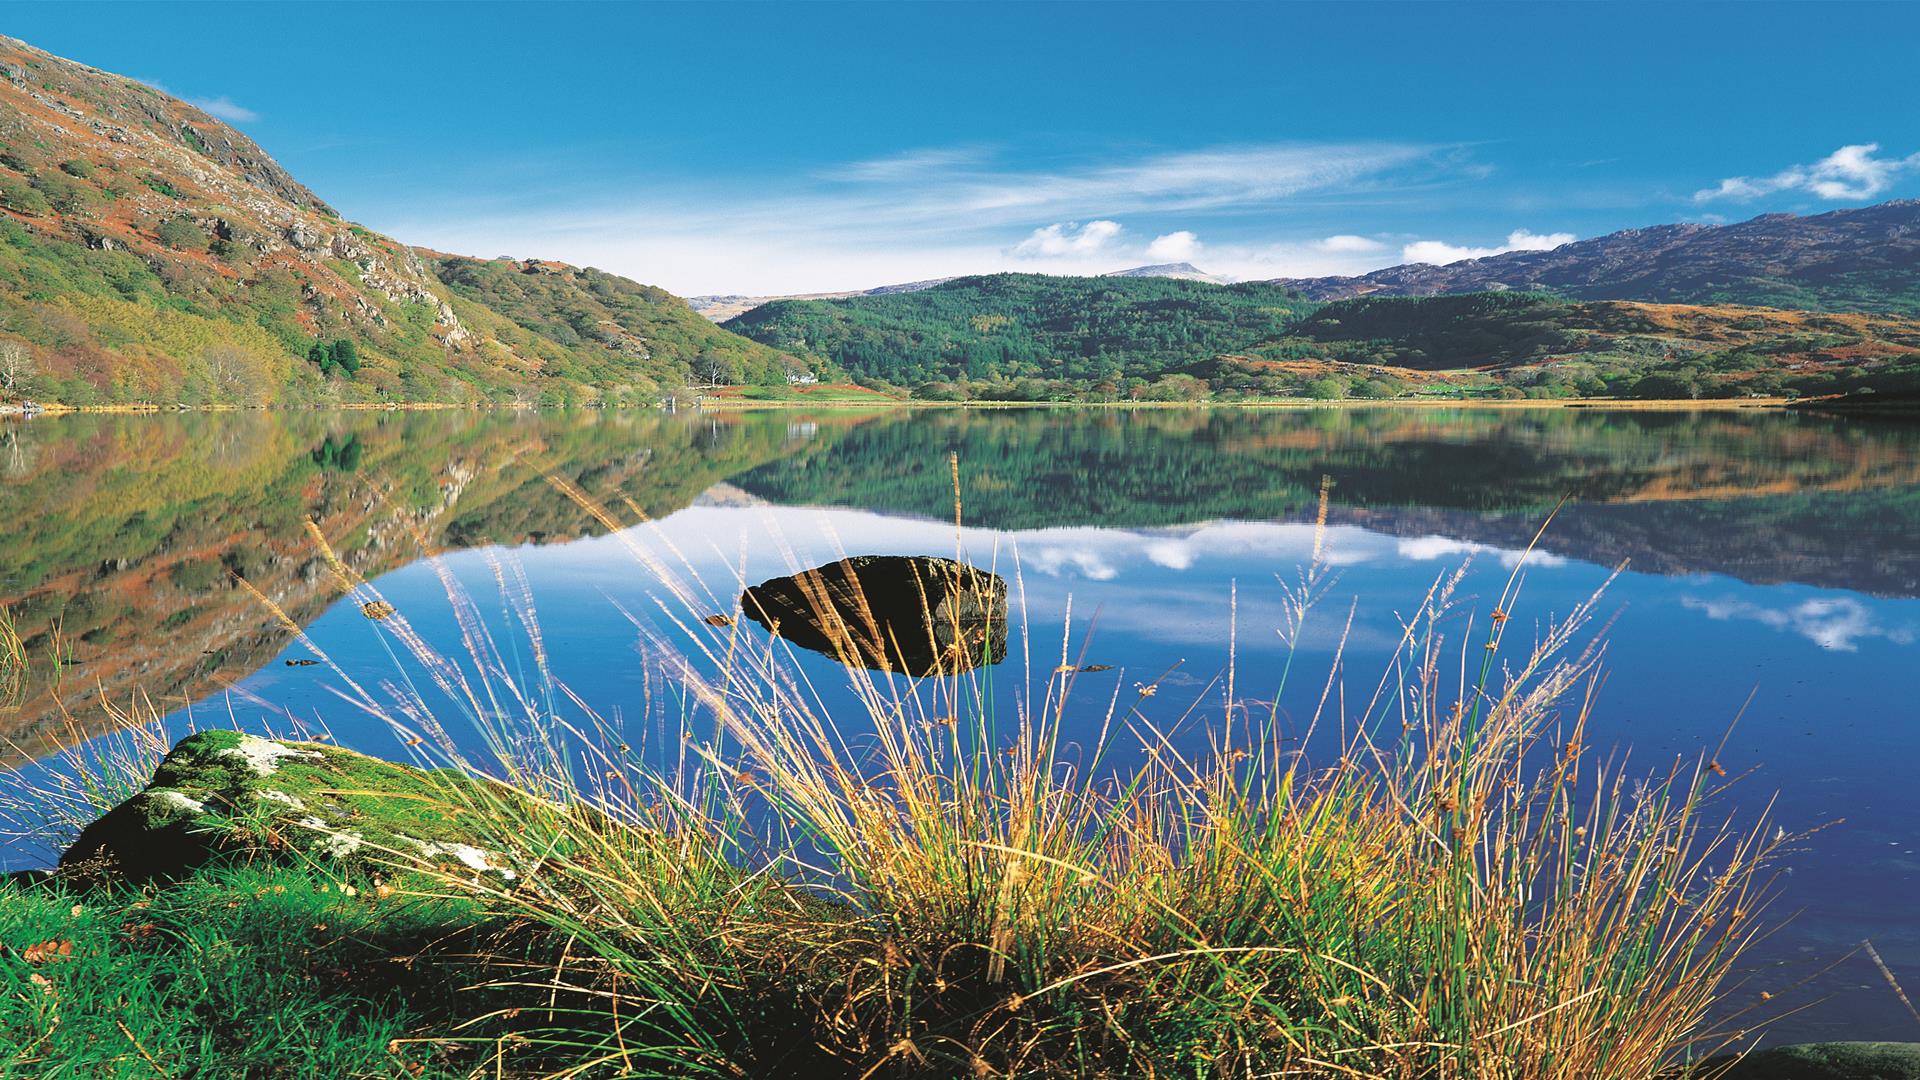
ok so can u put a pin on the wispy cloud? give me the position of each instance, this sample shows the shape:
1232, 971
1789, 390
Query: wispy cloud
220, 108
1440, 253
225, 108
1850, 173
940, 211
911, 164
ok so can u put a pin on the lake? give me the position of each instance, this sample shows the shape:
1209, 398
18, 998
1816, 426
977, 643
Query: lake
1763, 555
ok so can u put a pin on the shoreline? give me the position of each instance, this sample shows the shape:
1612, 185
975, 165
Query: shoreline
738, 404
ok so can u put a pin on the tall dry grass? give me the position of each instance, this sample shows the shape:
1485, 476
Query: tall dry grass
13, 663
944, 876
1447, 882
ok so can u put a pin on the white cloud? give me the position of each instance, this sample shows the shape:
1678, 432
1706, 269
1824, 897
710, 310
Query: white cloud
1346, 243
1440, 253
1850, 173
225, 108
1069, 239
1182, 246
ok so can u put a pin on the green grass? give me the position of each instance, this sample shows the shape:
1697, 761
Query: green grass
258, 972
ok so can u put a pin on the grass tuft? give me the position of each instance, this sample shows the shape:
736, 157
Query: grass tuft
1434, 879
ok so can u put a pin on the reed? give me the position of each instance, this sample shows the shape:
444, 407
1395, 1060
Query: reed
1448, 882
13, 663
941, 876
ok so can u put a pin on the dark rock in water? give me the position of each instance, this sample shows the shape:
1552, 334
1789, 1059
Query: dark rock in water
224, 794
1826, 1061
909, 613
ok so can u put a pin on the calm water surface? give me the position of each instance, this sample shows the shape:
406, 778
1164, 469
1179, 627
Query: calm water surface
1765, 554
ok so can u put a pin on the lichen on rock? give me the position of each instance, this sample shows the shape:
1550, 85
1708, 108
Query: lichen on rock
223, 794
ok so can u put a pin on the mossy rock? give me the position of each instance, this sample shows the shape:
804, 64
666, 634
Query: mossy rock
1828, 1061
222, 794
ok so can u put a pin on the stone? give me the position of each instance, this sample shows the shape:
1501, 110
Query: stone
1826, 1061
222, 794
915, 614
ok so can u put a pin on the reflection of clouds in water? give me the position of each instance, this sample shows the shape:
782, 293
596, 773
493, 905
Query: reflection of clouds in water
1053, 561
1839, 623
1428, 548
798, 535
1171, 586
1102, 554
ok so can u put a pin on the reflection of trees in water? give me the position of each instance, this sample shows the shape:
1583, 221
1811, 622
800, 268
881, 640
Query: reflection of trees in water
122, 529
1029, 469
17, 452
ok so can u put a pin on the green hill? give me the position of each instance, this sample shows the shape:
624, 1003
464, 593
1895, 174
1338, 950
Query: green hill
1549, 346
1012, 333
1032, 337
151, 253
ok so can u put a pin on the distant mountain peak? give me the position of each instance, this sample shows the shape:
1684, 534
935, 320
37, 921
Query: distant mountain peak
1858, 259
1183, 271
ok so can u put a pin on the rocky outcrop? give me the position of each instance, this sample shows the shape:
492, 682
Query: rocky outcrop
225, 795
915, 614
1826, 1061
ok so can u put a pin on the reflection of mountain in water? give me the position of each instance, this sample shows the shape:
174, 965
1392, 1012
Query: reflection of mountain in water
123, 534
1765, 496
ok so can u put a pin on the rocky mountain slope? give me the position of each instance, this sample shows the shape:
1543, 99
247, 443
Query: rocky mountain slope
1865, 259
149, 252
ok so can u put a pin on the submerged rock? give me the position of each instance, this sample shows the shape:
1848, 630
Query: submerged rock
915, 614
221, 793
1828, 1061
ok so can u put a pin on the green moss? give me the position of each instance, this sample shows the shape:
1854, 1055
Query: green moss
224, 796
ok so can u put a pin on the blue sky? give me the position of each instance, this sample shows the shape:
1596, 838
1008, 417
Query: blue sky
749, 148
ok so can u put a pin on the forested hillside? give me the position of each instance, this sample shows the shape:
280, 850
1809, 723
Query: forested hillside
1028, 337
151, 253
1548, 346
1006, 330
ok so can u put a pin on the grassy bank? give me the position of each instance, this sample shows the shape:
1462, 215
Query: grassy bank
1447, 883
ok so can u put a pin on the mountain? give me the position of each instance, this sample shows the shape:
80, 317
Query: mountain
721, 308
1867, 259
1544, 345
1038, 337
1010, 328
1182, 271
150, 252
